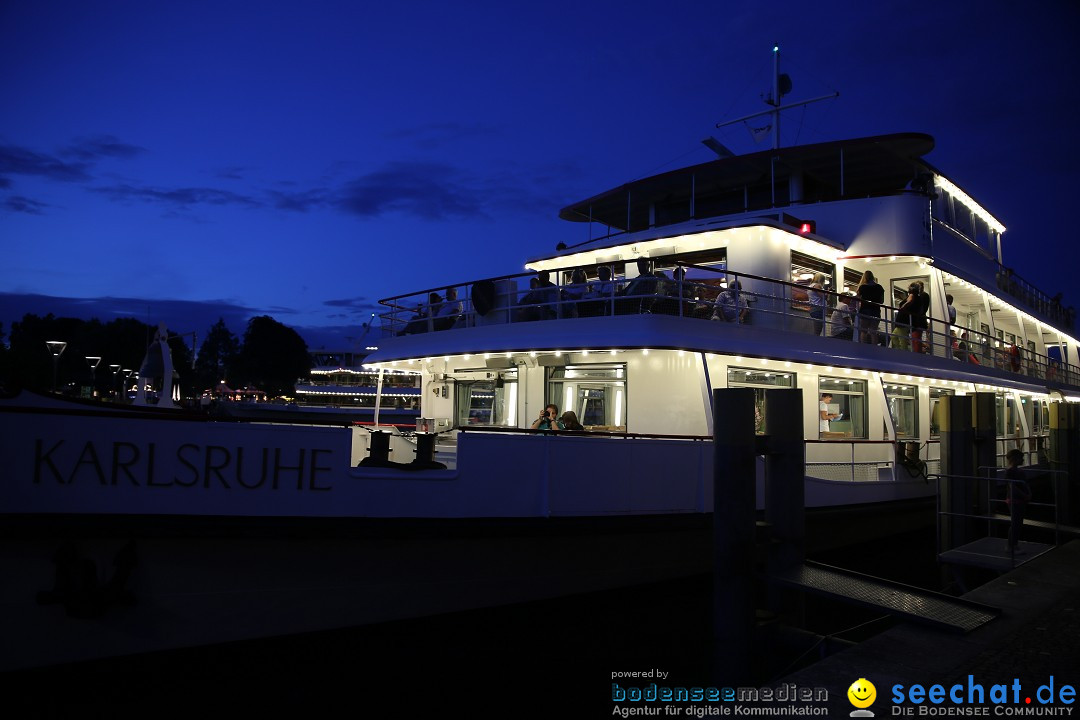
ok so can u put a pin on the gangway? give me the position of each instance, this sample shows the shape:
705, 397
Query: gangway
962, 542
925, 607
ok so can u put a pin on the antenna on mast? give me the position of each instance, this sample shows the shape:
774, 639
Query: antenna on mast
781, 87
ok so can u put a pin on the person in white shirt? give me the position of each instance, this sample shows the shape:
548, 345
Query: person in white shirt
823, 412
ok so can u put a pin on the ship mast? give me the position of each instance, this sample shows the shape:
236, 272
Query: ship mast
781, 86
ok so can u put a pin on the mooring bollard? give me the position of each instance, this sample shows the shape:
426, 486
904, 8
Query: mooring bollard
734, 517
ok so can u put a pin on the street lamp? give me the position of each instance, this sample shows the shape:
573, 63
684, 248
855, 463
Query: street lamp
56, 347
93, 361
127, 373
115, 369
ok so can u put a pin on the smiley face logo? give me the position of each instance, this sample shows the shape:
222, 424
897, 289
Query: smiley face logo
862, 693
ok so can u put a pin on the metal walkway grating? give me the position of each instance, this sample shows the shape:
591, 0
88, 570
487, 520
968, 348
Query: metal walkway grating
921, 606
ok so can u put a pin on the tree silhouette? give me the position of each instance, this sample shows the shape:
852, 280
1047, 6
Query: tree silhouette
29, 365
273, 356
217, 356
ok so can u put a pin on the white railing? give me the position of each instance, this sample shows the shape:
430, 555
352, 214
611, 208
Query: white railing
705, 293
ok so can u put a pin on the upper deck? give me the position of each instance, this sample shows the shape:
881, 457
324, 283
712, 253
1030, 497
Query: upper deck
842, 189
772, 221
505, 316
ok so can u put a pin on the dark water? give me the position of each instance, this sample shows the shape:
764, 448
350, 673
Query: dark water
544, 657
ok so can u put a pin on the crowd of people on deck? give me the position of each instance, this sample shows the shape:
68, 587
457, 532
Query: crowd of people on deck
857, 316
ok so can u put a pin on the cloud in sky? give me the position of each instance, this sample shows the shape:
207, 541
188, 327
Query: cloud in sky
427, 190
21, 204
230, 173
182, 198
433, 191
18, 160
358, 308
89, 149
301, 200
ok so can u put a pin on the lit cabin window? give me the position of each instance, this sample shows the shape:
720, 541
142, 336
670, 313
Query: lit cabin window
845, 401
903, 401
490, 401
595, 393
937, 400
760, 381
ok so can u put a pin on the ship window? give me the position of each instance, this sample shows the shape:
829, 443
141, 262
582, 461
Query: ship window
851, 280
1008, 422
1036, 414
760, 381
671, 210
937, 400
903, 401
848, 401
723, 202
595, 393
1042, 416
488, 401
964, 221
803, 269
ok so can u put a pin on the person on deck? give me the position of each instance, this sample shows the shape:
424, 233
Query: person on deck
731, 304
841, 322
549, 419
816, 295
1017, 495
871, 296
570, 422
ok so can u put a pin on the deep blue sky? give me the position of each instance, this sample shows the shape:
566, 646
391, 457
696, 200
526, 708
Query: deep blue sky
182, 161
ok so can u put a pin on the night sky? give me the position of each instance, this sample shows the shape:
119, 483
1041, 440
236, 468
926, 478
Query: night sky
185, 161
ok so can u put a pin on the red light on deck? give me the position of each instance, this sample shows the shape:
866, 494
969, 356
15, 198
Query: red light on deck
804, 226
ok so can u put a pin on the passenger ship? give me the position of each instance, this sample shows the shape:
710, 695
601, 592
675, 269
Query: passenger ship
637, 357
687, 281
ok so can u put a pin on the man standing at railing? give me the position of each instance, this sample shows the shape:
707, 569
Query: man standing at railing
871, 296
1017, 495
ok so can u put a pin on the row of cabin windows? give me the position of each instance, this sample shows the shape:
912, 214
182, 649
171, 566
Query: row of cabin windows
597, 395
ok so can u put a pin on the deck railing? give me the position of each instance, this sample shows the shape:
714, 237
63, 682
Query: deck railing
991, 507
863, 460
706, 293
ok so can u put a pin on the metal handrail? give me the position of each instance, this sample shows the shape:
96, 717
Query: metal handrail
999, 479
697, 298
592, 433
